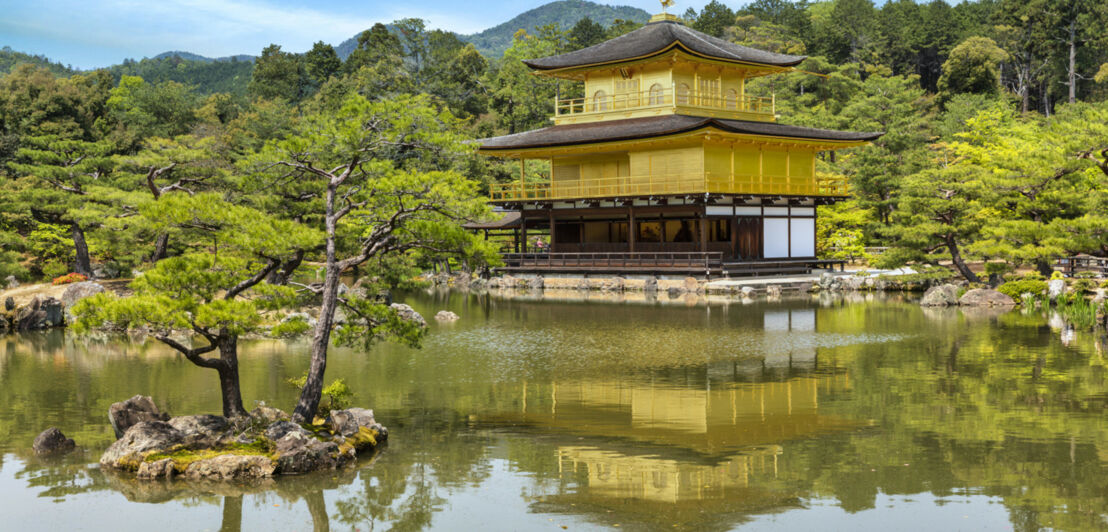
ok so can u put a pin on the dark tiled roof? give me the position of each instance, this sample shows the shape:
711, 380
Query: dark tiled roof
657, 37
656, 126
508, 220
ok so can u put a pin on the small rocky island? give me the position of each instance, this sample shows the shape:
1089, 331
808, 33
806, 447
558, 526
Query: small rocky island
262, 444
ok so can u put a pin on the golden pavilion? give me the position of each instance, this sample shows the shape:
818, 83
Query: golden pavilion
667, 165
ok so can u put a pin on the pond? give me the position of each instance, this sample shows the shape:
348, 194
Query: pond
546, 414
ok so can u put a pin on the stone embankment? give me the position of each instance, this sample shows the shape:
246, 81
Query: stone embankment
677, 286
263, 444
42, 307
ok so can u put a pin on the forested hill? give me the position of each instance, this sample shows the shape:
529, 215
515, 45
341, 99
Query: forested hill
565, 13
204, 75
197, 57
9, 58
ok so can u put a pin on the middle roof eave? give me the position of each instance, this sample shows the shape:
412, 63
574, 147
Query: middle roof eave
658, 126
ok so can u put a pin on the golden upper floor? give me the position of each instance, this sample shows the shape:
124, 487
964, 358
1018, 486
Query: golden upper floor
663, 68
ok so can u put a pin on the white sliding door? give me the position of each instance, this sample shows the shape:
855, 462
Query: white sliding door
803, 243
775, 238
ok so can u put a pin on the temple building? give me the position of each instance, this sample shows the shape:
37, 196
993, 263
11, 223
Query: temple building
667, 165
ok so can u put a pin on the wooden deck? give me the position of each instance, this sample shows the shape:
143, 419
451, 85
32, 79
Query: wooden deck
709, 264
1070, 266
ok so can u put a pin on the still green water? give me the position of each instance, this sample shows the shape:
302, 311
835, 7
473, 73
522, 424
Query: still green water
531, 414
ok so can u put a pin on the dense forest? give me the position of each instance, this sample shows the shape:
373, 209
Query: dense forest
995, 113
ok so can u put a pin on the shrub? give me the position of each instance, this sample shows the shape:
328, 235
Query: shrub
291, 328
1083, 286
997, 268
69, 278
1085, 275
1034, 276
338, 394
1016, 289
1056, 276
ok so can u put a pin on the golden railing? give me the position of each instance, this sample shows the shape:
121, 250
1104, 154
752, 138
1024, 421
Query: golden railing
664, 97
661, 185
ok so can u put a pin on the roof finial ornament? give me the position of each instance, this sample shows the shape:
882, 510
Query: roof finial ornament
665, 4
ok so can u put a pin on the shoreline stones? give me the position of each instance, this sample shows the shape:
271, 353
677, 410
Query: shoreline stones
408, 313
52, 442
985, 297
945, 295
125, 414
446, 315
261, 445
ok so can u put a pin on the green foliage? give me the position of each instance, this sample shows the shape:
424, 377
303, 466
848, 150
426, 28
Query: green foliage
10, 59
290, 328
1016, 289
338, 394
205, 77
973, 66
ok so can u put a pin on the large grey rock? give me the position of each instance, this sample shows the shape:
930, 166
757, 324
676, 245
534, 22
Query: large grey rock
52, 441
853, 283
944, 295
39, 314
157, 469
537, 283
773, 291
985, 297
747, 291
11, 282
203, 430
9, 304
495, 283
650, 284
142, 438
826, 279
76, 292
408, 313
231, 466
125, 414
674, 292
267, 415
1055, 288
279, 429
348, 422
479, 283
446, 315
297, 453
614, 284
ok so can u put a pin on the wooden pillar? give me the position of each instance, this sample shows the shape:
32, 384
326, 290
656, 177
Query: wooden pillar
523, 234
704, 230
550, 215
632, 229
735, 236
515, 238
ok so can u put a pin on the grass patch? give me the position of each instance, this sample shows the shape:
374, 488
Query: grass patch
184, 457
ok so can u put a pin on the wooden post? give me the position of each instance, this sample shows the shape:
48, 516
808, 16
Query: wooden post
550, 213
704, 230
632, 229
523, 233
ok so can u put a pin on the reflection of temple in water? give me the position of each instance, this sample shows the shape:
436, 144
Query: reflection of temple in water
704, 436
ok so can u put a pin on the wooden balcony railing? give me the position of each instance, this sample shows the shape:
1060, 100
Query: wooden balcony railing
664, 98
709, 263
661, 185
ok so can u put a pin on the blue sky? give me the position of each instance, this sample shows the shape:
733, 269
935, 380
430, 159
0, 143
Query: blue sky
92, 33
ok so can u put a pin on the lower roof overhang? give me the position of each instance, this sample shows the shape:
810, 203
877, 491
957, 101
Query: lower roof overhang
628, 133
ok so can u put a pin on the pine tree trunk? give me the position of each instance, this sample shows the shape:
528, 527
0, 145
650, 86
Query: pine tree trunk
229, 377
959, 262
1072, 72
160, 248
232, 514
84, 263
308, 404
282, 275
